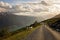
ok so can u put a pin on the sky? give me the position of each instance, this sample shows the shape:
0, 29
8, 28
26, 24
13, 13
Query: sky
22, 1
18, 1
7, 5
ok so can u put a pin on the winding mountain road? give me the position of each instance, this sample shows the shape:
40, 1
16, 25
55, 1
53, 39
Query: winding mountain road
43, 33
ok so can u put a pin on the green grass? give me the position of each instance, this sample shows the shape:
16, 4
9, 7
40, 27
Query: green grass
21, 35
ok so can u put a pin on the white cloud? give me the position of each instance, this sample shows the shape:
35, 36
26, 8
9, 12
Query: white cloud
2, 10
30, 8
4, 6
56, 1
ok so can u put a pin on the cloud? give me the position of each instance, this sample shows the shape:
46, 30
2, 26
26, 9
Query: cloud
25, 7
47, 2
2, 10
56, 1
4, 6
29, 7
